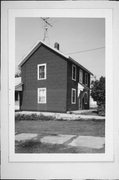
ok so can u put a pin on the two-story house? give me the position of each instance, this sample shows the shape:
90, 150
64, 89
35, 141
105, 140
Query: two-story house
52, 81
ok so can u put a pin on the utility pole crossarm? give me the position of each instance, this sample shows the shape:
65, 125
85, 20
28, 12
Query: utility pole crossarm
46, 25
45, 20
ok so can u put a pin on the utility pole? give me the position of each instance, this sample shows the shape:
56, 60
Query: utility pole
46, 26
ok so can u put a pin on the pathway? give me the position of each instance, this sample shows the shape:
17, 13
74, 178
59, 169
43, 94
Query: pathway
68, 140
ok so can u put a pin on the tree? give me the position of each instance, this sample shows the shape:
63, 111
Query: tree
98, 92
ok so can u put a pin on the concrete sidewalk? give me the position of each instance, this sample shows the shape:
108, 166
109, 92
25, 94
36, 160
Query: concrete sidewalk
61, 139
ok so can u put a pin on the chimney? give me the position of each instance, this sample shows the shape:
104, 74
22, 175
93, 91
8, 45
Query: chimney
56, 45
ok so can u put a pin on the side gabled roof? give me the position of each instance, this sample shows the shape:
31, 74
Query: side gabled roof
78, 64
38, 44
35, 47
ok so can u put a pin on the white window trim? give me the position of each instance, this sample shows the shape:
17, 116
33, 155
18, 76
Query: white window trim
86, 74
80, 70
38, 96
38, 71
72, 72
72, 96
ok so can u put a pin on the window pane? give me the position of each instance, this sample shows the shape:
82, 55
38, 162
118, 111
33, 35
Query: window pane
42, 72
42, 96
73, 96
80, 76
86, 79
73, 72
41, 69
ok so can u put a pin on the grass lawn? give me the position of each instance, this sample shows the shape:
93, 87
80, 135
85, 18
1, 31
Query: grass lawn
81, 127
44, 128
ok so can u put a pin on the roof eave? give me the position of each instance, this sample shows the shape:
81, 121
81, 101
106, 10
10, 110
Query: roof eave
35, 47
38, 44
70, 58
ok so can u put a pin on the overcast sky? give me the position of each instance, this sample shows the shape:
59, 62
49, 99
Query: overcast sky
73, 35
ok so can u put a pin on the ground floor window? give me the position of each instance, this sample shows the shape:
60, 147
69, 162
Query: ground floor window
42, 96
73, 96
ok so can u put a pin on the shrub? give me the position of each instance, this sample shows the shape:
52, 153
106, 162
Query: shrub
20, 117
98, 94
101, 109
98, 90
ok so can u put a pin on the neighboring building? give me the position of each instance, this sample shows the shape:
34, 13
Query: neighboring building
18, 93
52, 81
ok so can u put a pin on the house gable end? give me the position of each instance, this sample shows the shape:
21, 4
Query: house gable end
39, 48
54, 50
26, 58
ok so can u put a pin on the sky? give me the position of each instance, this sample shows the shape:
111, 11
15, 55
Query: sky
81, 38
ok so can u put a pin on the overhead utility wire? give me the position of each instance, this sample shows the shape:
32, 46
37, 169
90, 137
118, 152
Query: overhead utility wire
86, 50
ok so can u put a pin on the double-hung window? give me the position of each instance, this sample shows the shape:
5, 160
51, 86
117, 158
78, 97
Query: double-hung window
81, 76
42, 96
41, 71
73, 96
86, 79
73, 72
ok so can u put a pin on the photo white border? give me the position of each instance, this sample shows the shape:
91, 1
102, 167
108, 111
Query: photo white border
54, 170
83, 13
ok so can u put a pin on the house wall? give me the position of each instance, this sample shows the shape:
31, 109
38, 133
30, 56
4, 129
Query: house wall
74, 84
56, 82
71, 84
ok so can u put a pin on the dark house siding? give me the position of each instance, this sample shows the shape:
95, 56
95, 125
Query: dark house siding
56, 82
71, 84
86, 90
74, 84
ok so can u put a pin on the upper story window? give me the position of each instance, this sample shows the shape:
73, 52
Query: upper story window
86, 78
74, 72
41, 95
73, 96
41, 71
81, 76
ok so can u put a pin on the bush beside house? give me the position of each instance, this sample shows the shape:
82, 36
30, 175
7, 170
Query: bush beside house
98, 94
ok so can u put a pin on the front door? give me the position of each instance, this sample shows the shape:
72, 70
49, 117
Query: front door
83, 100
80, 100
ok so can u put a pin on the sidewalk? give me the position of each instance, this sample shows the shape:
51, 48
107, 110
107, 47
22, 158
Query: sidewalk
61, 139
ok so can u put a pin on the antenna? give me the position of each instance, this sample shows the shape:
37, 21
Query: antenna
46, 26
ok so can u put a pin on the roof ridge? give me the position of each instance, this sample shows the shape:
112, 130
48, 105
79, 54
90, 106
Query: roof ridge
35, 47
